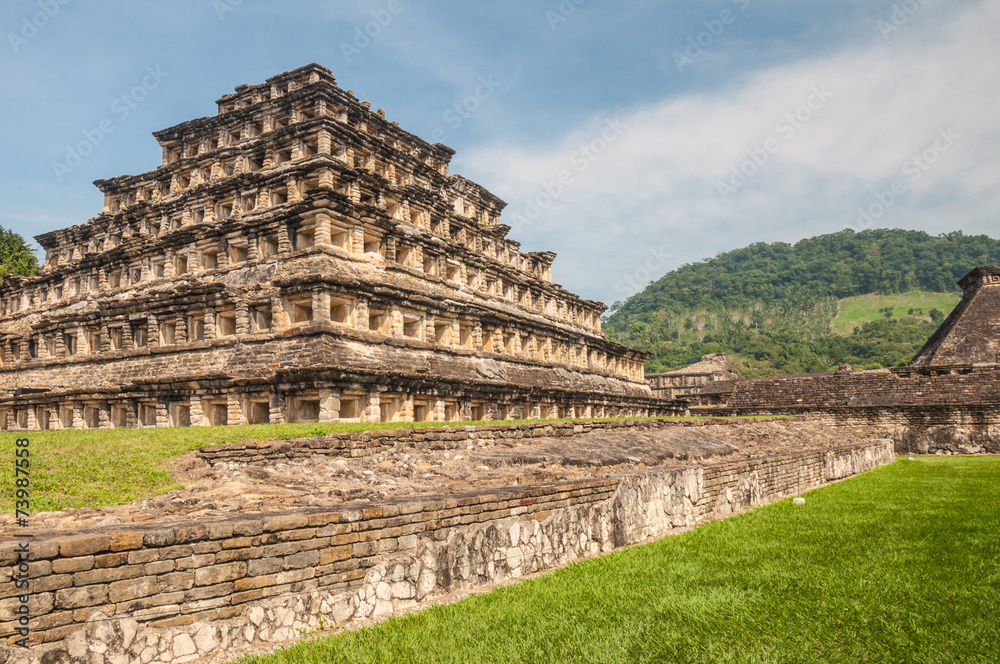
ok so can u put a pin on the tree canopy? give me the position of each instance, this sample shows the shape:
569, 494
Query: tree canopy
16, 257
771, 305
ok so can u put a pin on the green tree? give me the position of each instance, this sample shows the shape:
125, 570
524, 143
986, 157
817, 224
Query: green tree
16, 257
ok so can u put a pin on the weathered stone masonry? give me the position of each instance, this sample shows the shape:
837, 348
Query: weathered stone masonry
971, 334
364, 443
936, 395
179, 591
691, 379
946, 401
299, 258
930, 409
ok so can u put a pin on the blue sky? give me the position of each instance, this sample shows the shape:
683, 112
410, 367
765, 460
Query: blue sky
628, 137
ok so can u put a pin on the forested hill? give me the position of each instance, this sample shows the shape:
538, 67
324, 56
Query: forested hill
772, 305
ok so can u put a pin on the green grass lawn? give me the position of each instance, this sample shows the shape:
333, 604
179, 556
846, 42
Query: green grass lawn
854, 312
96, 468
901, 564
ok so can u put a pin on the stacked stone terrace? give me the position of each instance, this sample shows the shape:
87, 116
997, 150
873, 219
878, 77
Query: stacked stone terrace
299, 258
971, 334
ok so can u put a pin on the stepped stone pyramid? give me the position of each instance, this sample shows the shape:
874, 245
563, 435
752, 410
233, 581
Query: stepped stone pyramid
971, 334
299, 258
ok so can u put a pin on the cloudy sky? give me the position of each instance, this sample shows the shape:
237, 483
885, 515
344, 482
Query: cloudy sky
628, 136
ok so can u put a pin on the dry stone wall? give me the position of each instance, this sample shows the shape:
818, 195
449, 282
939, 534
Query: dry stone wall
178, 592
953, 409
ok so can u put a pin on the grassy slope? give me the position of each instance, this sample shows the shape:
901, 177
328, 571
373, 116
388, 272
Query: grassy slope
856, 311
899, 565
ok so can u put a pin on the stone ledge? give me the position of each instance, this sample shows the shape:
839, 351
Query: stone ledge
343, 444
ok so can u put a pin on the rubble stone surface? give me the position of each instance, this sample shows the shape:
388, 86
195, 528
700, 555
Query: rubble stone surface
442, 466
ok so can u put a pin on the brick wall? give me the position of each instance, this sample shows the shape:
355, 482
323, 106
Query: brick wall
180, 591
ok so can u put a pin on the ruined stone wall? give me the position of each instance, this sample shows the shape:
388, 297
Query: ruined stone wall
935, 391
691, 379
181, 591
928, 409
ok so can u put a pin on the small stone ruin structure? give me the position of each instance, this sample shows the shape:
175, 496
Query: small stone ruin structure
299, 258
971, 334
690, 379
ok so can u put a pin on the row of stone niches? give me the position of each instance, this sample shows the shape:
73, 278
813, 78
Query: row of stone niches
316, 230
316, 405
276, 156
272, 118
256, 200
206, 142
259, 198
137, 331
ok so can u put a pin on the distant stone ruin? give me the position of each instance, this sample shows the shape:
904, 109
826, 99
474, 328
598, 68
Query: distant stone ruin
298, 258
947, 400
971, 334
690, 379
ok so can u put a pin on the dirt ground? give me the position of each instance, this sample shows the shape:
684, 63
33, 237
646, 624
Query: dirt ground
226, 488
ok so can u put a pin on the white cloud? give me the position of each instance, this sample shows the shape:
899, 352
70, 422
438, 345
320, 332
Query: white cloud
656, 186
